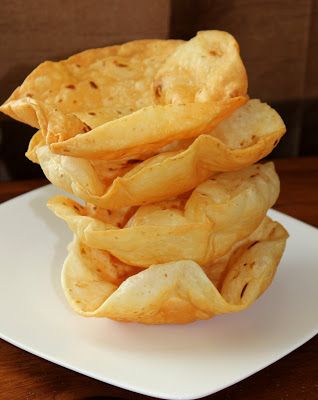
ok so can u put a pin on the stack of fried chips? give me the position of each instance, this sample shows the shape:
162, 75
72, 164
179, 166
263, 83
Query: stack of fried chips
160, 141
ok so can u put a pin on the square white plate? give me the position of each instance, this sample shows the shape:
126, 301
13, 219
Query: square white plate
171, 362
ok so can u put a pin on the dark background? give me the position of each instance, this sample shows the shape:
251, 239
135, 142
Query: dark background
278, 40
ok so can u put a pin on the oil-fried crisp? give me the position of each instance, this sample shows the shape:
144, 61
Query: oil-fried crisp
242, 139
201, 227
175, 292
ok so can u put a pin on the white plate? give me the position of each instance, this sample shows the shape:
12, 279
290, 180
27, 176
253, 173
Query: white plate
171, 362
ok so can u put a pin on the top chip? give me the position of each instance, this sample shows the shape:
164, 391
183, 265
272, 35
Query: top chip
93, 88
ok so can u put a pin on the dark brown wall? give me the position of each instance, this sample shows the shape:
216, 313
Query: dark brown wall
278, 40
309, 137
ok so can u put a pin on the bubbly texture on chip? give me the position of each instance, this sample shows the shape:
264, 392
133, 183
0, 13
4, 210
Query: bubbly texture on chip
175, 292
200, 227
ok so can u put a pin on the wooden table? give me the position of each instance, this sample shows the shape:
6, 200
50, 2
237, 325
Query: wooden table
295, 377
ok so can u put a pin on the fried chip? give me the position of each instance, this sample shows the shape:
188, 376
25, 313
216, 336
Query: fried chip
100, 103
244, 138
204, 69
203, 227
147, 130
176, 292
89, 88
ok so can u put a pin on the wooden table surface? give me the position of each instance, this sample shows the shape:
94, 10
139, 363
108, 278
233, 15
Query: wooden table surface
295, 377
